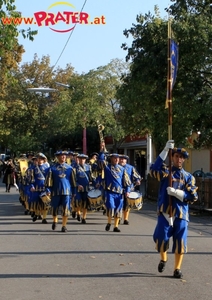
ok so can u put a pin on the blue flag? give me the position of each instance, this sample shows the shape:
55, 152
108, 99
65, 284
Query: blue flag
174, 49
174, 62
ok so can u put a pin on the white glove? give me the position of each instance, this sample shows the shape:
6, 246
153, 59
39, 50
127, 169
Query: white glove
179, 194
164, 153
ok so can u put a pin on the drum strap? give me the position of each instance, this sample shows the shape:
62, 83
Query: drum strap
42, 176
82, 169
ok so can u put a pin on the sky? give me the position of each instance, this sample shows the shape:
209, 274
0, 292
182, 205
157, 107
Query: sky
87, 46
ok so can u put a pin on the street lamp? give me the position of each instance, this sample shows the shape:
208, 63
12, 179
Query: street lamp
62, 84
41, 90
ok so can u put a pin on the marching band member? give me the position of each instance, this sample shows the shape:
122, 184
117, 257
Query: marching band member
36, 178
74, 164
116, 182
61, 185
75, 160
135, 181
30, 155
94, 165
69, 157
84, 179
183, 192
22, 166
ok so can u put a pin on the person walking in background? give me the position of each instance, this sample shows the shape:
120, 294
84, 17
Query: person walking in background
183, 192
10, 175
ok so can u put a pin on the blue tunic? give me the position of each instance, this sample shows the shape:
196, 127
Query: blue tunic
180, 180
61, 179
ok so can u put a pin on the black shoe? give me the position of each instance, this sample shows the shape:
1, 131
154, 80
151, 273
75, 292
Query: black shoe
34, 219
178, 273
32, 214
116, 229
83, 221
44, 221
73, 214
126, 222
78, 218
39, 217
161, 266
64, 229
107, 227
26, 212
54, 225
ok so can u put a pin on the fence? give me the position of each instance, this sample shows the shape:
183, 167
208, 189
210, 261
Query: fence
204, 191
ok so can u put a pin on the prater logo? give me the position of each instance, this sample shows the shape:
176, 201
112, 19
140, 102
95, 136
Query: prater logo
59, 18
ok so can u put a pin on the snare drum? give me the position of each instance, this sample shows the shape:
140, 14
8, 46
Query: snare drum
95, 198
135, 200
46, 199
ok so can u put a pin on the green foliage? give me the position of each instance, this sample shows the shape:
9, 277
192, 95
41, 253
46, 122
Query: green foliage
143, 92
10, 50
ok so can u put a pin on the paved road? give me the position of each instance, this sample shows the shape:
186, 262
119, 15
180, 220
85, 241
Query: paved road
89, 263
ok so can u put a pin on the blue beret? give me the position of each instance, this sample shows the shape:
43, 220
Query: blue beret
70, 152
123, 156
41, 155
75, 154
60, 152
30, 153
82, 156
180, 151
94, 153
114, 155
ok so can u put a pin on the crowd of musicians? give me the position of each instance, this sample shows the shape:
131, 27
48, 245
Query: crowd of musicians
73, 184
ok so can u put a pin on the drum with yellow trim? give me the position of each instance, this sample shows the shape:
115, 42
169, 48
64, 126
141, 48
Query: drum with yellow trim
46, 199
95, 198
135, 200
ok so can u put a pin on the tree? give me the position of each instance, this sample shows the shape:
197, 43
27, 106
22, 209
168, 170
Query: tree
143, 92
28, 118
107, 79
10, 50
195, 76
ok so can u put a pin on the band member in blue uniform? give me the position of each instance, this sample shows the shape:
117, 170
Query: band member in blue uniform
93, 164
69, 157
61, 184
74, 164
84, 179
116, 182
36, 179
183, 192
135, 181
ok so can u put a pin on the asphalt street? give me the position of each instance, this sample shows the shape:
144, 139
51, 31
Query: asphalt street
89, 263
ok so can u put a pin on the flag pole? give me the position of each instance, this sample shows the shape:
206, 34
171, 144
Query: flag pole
169, 100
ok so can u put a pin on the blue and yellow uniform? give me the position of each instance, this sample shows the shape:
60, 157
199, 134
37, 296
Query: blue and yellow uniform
115, 182
36, 175
84, 180
135, 181
61, 183
184, 192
